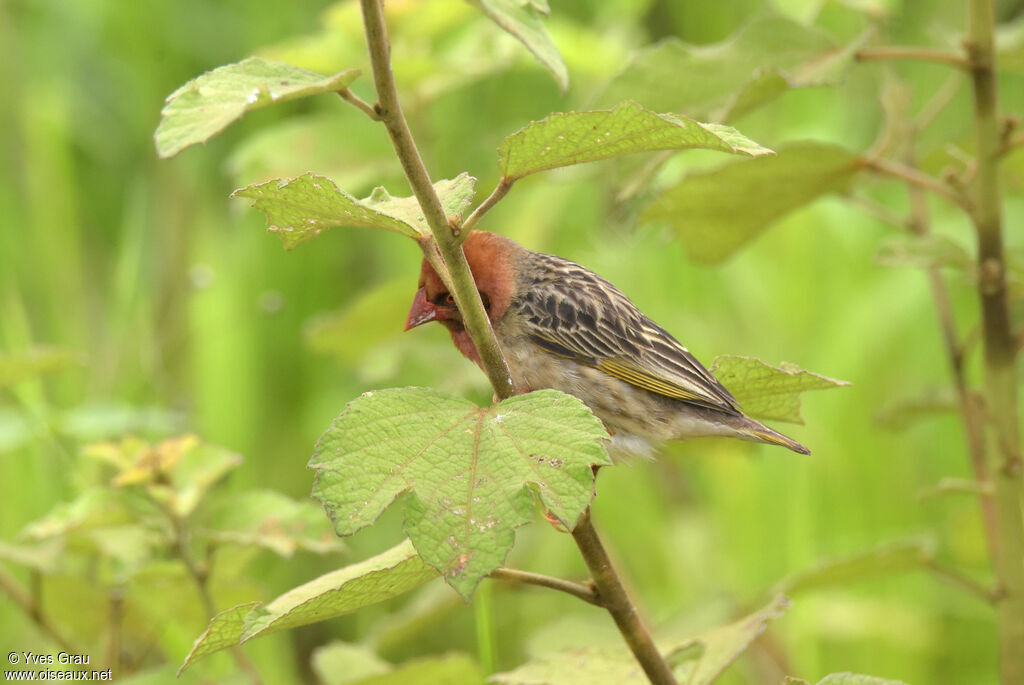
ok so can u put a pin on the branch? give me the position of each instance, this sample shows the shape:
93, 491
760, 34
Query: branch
359, 103
913, 176
962, 581
999, 344
895, 52
499, 192
616, 601
200, 576
443, 249
584, 592
23, 600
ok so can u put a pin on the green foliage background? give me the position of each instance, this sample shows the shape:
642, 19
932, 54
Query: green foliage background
187, 315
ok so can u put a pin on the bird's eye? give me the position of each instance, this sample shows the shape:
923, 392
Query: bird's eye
449, 300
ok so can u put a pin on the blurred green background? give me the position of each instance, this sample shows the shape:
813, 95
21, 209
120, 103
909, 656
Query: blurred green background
187, 316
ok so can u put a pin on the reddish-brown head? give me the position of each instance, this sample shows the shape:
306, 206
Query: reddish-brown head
492, 260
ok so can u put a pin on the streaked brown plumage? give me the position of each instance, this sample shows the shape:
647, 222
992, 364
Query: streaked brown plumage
562, 326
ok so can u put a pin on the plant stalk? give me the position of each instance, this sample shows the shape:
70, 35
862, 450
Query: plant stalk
444, 241
616, 601
1000, 347
444, 252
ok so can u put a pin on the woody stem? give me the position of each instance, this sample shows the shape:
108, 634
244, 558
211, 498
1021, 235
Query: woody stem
614, 598
441, 247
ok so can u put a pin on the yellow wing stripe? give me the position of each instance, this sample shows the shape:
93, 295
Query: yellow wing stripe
639, 378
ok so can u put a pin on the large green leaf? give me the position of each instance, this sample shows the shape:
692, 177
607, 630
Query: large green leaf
210, 103
717, 211
524, 20
340, 592
696, 660
765, 391
299, 209
765, 58
566, 138
469, 472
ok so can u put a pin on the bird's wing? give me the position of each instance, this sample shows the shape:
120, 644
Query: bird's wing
574, 313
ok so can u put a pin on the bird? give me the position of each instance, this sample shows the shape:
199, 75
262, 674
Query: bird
561, 326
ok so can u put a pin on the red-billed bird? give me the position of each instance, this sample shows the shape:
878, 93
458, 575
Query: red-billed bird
562, 326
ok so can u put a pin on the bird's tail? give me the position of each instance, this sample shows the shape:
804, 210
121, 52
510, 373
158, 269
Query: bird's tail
758, 432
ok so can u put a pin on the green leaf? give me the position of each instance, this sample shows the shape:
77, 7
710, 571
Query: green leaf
224, 631
340, 592
696, 660
721, 646
448, 669
904, 412
469, 472
566, 138
269, 519
16, 367
719, 82
765, 391
523, 19
343, 663
210, 103
703, 206
45, 556
299, 209
886, 559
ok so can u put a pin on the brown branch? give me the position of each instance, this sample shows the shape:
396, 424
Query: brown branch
1000, 351
915, 177
24, 601
616, 601
584, 592
441, 248
359, 103
964, 582
896, 52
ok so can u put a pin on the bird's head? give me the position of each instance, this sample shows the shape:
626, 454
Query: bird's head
491, 259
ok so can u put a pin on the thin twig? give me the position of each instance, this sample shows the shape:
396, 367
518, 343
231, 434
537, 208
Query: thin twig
942, 97
359, 103
499, 192
584, 592
20, 596
200, 577
913, 176
896, 52
442, 248
1011, 144
962, 581
616, 601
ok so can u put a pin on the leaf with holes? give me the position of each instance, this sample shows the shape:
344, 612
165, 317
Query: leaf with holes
566, 138
300, 209
765, 391
208, 104
469, 474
